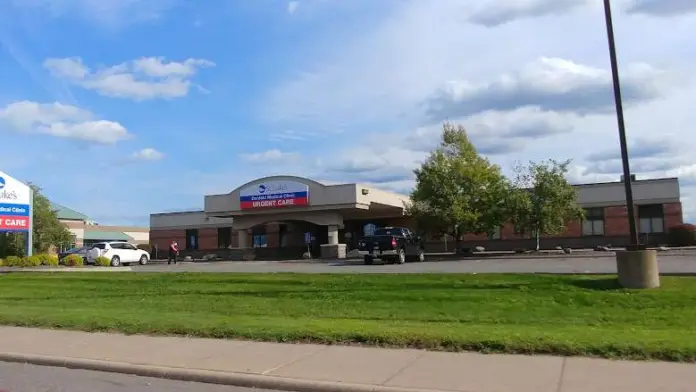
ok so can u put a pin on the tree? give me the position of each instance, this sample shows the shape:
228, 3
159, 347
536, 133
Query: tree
541, 200
458, 191
47, 230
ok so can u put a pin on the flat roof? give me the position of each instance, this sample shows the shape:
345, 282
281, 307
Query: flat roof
633, 181
401, 195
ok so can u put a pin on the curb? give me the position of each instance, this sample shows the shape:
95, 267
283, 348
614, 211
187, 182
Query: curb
246, 380
67, 269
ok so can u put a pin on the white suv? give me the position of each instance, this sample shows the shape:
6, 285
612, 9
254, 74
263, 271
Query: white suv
118, 252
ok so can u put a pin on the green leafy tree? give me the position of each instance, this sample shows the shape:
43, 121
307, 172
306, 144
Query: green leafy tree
47, 230
457, 190
542, 201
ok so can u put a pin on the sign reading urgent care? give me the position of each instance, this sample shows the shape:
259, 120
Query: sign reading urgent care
274, 194
15, 204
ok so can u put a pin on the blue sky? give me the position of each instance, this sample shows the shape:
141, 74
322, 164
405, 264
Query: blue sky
120, 108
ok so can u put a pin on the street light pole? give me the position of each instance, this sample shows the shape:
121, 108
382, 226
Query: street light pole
634, 242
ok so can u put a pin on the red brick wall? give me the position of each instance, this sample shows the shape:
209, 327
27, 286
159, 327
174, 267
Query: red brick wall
616, 221
673, 215
615, 224
272, 235
234, 239
207, 239
162, 238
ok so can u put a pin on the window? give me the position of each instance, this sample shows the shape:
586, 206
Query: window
259, 241
369, 229
496, 234
118, 245
192, 239
258, 237
398, 232
224, 235
652, 219
594, 222
130, 247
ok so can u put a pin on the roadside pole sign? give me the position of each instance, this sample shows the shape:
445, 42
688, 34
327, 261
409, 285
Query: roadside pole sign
16, 208
307, 237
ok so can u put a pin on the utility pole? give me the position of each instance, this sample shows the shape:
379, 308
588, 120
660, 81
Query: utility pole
634, 240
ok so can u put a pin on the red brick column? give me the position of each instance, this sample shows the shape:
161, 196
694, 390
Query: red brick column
272, 235
616, 221
673, 215
207, 239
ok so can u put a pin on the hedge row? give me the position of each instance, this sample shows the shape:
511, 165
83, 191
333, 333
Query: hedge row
682, 235
48, 260
29, 261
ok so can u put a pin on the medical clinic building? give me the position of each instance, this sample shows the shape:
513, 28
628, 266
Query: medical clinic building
285, 216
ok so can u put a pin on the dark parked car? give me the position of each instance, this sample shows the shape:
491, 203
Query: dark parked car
392, 244
82, 251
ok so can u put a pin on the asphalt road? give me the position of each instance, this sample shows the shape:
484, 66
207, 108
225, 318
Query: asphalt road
16, 377
673, 264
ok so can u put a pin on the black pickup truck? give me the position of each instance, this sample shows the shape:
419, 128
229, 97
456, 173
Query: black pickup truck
391, 244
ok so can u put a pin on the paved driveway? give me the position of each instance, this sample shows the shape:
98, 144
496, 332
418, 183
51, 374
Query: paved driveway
668, 265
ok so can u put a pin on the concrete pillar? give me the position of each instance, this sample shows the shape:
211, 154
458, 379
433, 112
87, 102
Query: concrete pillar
333, 250
242, 239
333, 235
637, 269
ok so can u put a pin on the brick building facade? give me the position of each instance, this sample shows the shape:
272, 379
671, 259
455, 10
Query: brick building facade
282, 234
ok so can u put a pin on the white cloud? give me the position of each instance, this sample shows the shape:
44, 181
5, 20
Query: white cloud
290, 135
292, 7
63, 121
147, 154
492, 13
534, 89
492, 132
141, 79
550, 84
662, 8
270, 156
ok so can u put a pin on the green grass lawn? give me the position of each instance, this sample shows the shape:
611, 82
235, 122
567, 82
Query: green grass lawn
571, 315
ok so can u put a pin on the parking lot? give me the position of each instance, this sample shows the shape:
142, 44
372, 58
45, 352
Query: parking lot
669, 264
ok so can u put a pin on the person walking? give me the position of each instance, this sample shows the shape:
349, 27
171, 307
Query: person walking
173, 252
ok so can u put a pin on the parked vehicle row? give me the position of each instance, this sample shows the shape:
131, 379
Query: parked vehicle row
118, 252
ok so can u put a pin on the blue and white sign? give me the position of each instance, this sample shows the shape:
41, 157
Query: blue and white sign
308, 238
369, 229
274, 194
15, 204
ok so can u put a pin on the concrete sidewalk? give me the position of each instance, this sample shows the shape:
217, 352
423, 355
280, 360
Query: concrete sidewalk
310, 368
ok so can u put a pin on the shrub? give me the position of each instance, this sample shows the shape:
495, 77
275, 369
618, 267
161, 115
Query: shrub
14, 261
73, 261
31, 261
47, 259
682, 235
102, 261
2, 262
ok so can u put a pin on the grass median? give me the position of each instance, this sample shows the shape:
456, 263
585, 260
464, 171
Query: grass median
531, 314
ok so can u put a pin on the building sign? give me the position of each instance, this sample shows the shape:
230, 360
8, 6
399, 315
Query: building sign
274, 194
369, 229
15, 204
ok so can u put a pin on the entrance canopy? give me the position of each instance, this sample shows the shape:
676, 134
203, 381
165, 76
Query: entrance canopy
280, 198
